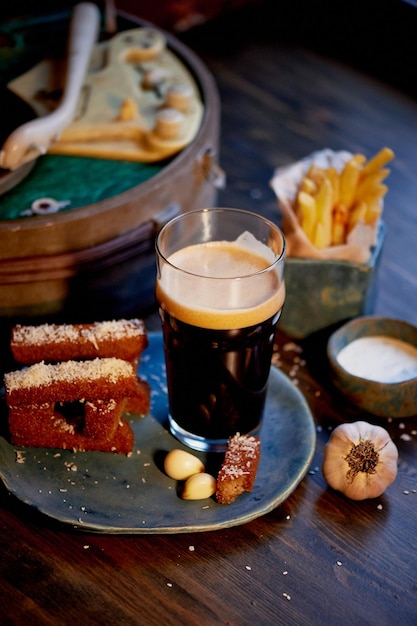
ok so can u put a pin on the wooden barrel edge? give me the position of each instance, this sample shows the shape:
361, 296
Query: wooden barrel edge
99, 222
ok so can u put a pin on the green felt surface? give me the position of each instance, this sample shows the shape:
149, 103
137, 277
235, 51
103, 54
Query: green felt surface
81, 181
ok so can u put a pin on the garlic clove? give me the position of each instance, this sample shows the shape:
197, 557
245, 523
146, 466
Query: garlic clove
199, 487
180, 464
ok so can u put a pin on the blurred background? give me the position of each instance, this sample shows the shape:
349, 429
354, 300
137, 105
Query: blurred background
376, 37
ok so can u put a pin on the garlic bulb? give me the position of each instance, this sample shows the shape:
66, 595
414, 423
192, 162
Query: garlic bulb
360, 460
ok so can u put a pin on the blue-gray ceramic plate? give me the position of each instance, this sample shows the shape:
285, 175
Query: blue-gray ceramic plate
111, 493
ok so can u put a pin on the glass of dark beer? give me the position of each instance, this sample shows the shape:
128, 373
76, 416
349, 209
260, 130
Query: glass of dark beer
220, 289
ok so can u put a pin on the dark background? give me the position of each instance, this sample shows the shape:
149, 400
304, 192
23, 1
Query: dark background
376, 37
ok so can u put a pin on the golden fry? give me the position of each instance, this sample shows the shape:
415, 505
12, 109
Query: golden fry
375, 195
306, 209
339, 223
324, 209
319, 238
316, 174
357, 215
359, 159
370, 183
338, 234
348, 182
379, 160
308, 185
334, 178
373, 213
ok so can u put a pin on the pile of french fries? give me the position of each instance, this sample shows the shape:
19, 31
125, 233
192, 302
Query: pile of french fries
329, 204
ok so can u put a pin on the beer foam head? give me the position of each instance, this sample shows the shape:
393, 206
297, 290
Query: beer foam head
222, 284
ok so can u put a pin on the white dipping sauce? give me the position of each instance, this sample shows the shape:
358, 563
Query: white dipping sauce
379, 358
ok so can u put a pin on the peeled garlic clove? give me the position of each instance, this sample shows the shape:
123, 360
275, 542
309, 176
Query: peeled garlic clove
180, 464
199, 487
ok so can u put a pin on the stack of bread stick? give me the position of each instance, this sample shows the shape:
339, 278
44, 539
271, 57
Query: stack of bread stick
78, 381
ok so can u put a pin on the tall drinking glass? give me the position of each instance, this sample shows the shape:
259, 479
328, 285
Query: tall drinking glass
220, 290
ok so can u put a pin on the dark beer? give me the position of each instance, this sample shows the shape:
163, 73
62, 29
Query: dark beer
217, 378
218, 324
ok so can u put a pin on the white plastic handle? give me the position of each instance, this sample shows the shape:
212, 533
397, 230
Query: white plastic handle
35, 137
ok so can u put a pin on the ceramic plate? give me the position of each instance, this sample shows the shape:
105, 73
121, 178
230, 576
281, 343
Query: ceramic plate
111, 493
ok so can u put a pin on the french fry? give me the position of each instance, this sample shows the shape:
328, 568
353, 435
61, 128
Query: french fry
373, 213
370, 183
334, 178
308, 185
306, 210
339, 224
357, 215
379, 160
324, 210
359, 159
316, 174
319, 237
375, 195
349, 179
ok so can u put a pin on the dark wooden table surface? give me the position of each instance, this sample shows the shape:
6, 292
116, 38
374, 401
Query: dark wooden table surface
318, 558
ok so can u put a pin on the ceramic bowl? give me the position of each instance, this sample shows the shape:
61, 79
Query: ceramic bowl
380, 382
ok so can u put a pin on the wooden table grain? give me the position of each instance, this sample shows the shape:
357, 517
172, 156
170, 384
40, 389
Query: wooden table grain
318, 558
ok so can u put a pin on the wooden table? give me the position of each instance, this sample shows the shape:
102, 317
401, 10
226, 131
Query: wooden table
318, 558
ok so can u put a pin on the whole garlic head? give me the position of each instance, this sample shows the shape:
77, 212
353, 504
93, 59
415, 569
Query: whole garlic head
360, 460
